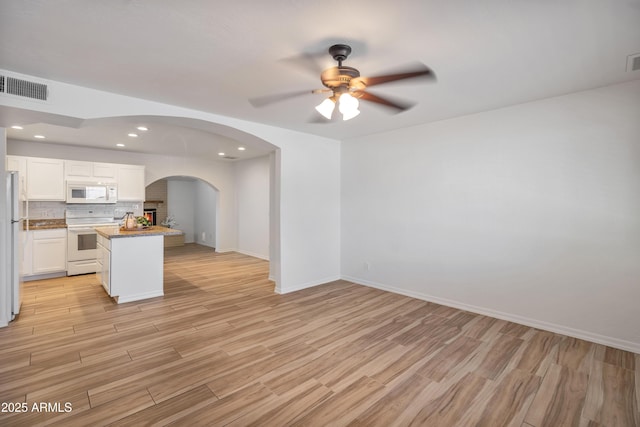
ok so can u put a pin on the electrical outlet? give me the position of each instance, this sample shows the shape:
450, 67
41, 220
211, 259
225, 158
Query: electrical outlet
204, 236
367, 266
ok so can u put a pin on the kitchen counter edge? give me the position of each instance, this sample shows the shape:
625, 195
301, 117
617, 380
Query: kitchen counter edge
44, 224
116, 232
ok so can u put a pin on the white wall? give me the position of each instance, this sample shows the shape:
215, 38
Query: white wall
252, 198
181, 203
310, 191
530, 213
206, 207
193, 202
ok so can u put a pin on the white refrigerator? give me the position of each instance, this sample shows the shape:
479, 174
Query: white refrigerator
16, 241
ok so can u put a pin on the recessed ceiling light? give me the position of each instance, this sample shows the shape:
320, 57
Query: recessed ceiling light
120, 145
142, 128
39, 136
241, 148
133, 135
17, 127
220, 154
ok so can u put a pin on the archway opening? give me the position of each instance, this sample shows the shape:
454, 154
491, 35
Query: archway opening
187, 203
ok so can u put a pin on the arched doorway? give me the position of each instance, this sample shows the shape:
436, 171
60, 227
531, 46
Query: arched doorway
187, 203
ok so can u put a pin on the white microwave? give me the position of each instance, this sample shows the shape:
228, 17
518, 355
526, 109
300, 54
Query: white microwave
91, 192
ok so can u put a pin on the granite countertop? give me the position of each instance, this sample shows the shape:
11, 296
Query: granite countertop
117, 232
45, 224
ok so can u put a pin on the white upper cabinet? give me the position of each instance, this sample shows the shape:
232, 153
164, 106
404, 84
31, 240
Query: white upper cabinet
45, 179
105, 171
19, 164
130, 183
89, 171
74, 170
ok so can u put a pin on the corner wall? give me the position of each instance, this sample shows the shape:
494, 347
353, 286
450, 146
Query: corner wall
529, 213
252, 186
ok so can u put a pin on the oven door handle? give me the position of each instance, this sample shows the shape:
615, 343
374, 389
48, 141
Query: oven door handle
81, 230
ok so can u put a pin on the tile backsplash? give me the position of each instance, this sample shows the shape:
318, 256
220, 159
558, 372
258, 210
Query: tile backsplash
56, 210
48, 210
123, 207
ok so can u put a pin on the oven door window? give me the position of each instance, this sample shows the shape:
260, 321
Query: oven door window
87, 242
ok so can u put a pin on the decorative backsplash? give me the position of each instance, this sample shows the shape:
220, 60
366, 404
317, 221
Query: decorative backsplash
47, 210
123, 207
56, 210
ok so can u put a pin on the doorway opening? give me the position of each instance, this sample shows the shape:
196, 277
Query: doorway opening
186, 203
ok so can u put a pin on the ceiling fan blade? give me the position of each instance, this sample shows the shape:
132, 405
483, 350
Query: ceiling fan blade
306, 62
263, 101
419, 70
398, 106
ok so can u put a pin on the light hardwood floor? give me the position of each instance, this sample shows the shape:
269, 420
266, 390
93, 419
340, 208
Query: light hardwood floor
220, 348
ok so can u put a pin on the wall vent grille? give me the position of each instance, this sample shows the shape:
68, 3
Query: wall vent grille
1, 84
25, 88
633, 62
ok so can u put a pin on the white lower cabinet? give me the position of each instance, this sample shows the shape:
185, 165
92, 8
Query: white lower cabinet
104, 263
48, 251
27, 254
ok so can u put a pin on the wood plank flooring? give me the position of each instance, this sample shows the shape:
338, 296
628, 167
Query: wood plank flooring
221, 348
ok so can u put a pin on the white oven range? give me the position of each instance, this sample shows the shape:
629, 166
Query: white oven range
82, 237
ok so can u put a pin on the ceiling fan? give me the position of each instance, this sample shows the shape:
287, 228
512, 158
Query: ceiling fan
346, 87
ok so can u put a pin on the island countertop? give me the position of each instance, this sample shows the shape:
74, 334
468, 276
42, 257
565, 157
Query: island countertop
117, 232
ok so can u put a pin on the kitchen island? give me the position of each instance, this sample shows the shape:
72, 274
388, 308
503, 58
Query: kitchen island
131, 262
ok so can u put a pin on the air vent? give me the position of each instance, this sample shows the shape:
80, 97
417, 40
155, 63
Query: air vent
25, 88
230, 158
633, 62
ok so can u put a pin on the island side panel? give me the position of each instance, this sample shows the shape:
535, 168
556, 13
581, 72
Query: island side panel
137, 265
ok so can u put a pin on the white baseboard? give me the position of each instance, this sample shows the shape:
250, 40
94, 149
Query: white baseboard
255, 255
44, 276
306, 285
534, 323
224, 250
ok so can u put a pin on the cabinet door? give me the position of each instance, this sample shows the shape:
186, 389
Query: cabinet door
16, 163
106, 270
130, 183
99, 261
77, 171
45, 179
49, 255
104, 171
27, 255
19, 164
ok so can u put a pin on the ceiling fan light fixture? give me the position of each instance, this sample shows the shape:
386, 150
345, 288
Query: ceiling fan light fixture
348, 106
350, 114
326, 108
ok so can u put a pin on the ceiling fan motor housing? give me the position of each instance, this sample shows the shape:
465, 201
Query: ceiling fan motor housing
339, 77
340, 52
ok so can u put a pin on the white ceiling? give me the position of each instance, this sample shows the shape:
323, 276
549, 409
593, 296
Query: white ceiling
215, 55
